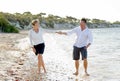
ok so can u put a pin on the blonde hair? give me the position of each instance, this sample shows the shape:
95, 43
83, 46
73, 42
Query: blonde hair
34, 21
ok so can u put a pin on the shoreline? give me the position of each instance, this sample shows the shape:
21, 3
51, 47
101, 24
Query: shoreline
23, 31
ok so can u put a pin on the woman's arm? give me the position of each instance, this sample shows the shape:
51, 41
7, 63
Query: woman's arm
30, 38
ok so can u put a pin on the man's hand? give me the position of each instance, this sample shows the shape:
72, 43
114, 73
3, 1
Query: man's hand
87, 46
59, 32
64, 33
34, 50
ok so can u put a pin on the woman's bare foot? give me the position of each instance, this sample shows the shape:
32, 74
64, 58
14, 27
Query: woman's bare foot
38, 72
45, 71
76, 73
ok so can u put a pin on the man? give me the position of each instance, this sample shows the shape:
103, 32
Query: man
83, 41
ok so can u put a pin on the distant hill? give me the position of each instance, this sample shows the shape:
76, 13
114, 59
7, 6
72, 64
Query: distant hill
22, 21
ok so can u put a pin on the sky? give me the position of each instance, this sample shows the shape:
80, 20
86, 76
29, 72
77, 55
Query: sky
101, 9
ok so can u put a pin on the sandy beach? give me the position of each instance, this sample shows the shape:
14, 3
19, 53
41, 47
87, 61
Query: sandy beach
18, 62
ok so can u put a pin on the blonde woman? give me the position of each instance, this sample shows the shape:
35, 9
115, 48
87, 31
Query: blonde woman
37, 43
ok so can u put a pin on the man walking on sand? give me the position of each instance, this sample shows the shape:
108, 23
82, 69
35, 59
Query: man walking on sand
83, 41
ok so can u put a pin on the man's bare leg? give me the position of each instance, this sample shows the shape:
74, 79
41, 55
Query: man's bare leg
77, 67
85, 66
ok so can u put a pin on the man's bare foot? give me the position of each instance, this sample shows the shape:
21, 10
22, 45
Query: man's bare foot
76, 73
87, 74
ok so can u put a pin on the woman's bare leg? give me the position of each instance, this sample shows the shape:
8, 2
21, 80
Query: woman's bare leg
39, 63
43, 65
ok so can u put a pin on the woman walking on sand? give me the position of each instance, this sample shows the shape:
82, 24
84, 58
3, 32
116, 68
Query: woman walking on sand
37, 43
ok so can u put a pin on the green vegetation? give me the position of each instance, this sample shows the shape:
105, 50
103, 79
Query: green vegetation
116, 22
46, 20
5, 26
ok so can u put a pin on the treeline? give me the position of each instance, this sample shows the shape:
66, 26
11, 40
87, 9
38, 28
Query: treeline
5, 26
47, 21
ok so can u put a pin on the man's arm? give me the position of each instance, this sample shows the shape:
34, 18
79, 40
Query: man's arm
68, 33
61, 33
90, 39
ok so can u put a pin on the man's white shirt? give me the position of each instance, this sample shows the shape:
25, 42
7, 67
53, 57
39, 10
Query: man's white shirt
83, 37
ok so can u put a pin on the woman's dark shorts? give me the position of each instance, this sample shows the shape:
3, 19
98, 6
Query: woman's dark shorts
77, 51
39, 48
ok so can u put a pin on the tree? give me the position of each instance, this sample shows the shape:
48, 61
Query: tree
116, 22
98, 21
5, 25
27, 13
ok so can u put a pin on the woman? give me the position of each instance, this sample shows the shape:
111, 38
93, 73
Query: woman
37, 43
